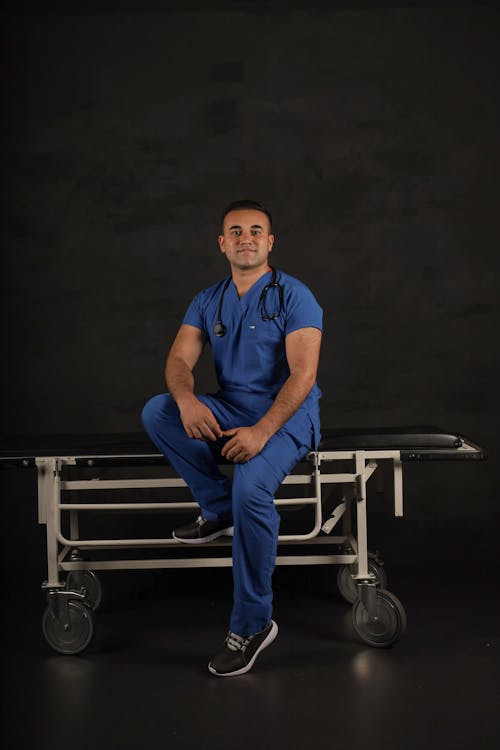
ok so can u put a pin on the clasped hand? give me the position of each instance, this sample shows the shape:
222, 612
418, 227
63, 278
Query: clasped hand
244, 444
200, 423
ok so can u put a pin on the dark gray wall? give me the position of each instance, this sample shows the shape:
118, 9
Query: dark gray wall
373, 138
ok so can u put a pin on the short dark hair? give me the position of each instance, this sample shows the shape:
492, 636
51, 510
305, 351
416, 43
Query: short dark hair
254, 205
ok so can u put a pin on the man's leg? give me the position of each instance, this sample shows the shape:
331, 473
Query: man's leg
192, 459
256, 527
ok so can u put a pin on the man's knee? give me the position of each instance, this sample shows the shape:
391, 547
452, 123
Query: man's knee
157, 408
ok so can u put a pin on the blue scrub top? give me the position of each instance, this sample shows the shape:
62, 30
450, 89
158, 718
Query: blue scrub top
250, 360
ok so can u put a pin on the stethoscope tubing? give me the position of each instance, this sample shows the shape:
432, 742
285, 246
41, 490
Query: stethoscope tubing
220, 328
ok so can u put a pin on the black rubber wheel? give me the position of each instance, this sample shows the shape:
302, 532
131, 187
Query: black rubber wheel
77, 636
347, 585
387, 625
85, 579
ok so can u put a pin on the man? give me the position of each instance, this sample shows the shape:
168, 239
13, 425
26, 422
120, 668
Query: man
264, 328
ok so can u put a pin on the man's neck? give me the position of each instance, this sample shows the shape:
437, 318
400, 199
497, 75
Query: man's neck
246, 278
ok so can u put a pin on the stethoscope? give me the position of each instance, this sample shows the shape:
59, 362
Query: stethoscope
220, 328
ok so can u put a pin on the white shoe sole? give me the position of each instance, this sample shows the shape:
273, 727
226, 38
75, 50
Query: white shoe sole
269, 639
222, 532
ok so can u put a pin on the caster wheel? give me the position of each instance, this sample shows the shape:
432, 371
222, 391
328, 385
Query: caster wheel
386, 626
347, 585
85, 579
75, 637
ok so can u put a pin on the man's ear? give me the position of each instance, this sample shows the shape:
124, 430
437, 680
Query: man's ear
220, 239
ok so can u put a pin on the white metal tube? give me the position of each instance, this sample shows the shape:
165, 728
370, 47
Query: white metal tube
45, 470
128, 506
50, 473
168, 506
331, 541
369, 454
97, 543
111, 543
298, 479
121, 484
398, 487
318, 515
361, 516
130, 484
202, 562
337, 478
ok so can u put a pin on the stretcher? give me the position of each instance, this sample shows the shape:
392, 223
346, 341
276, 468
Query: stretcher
86, 477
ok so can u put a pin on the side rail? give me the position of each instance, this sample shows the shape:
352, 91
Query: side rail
52, 506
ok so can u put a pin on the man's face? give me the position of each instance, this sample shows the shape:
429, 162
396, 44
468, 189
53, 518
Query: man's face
245, 240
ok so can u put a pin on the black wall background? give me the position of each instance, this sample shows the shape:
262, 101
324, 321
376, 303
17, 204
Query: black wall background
371, 133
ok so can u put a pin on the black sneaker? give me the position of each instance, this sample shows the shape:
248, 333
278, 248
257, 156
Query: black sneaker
238, 654
201, 531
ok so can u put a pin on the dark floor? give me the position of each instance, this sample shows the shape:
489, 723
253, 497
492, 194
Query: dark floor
143, 682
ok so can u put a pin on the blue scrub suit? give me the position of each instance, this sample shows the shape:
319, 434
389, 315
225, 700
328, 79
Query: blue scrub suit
251, 367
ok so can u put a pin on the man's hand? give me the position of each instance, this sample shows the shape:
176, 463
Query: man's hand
244, 444
198, 420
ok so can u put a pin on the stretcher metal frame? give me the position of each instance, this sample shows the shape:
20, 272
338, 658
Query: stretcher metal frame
378, 616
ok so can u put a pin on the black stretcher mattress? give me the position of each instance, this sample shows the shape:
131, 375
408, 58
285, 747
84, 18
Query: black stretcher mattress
415, 444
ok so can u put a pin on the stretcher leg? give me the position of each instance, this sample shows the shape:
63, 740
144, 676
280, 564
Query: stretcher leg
49, 492
363, 572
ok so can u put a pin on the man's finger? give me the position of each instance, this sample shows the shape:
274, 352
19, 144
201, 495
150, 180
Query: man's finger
228, 448
197, 433
210, 420
209, 431
237, 454
214, 427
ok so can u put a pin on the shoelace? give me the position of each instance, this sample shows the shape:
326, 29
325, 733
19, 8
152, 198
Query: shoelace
237, 642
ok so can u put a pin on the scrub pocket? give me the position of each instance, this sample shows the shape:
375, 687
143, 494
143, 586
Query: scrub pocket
264, 353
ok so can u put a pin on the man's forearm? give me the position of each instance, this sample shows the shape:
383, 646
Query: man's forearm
179, 379
292, 394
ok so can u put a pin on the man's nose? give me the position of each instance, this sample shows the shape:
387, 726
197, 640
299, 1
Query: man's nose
245, 236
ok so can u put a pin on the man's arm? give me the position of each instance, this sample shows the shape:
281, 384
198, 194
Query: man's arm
302, 351
198, 420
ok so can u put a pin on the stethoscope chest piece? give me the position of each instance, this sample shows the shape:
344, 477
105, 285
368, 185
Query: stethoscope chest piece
220, 329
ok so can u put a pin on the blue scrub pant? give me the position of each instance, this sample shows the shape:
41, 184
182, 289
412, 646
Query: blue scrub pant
248, 499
